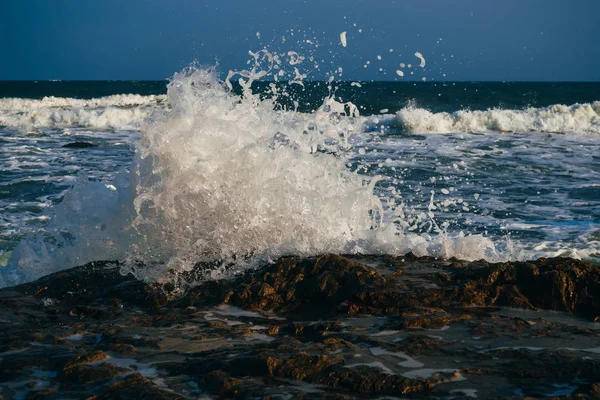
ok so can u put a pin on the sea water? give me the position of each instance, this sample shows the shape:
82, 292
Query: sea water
240, 171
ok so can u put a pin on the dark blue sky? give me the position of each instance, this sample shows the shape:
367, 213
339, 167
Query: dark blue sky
151, 39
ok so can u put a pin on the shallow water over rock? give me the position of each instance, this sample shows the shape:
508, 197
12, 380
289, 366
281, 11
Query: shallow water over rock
330, 326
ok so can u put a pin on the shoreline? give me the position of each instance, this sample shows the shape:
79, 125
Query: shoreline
331, 326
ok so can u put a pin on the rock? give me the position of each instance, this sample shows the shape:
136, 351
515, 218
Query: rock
324, 327
44, 394
301, 366
94, 283
306, 287
225, 386
135, 386
79, 374
98, 355
11, 370
125, 349
78, 145
369, 381
554, 284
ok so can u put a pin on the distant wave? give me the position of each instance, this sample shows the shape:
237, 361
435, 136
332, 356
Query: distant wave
128, 111
117, 100
117, 112
577, 118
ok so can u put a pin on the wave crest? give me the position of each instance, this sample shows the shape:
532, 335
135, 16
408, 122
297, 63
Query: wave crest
558, 118
224, 178
117, 112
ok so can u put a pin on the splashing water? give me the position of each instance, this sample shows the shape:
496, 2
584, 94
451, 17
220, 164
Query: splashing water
224, 178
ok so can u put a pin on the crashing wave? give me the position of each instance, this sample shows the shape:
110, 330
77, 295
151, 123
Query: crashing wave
574, 119
117, 100
117, 112
222, 177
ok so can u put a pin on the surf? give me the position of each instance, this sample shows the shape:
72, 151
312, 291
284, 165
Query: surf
576, 119
227, 179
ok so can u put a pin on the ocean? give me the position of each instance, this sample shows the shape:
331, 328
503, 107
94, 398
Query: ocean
161, 175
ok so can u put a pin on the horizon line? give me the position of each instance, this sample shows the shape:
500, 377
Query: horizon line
306, 81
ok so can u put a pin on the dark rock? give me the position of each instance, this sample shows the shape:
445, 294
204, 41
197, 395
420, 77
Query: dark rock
45, 394
135, 386
301, 366
368, 380
554, 284
305, 287
417, 344
122, 348
11, 370
82, 373
325, 327
97, 282
85, 358
224, 385
78, 145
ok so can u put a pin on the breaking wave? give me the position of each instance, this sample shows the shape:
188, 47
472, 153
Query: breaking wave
117, 112
225, 179
128, 111
574, 119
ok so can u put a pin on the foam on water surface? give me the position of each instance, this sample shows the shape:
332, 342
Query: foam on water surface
579, 119
117, 112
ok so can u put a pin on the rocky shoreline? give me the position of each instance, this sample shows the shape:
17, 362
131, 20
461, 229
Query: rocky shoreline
329, 327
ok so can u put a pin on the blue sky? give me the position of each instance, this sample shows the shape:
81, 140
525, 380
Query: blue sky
151, 39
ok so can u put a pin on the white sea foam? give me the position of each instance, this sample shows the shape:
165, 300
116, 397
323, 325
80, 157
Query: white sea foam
100, 119
575, 119
128, 111
117, 112
118, 100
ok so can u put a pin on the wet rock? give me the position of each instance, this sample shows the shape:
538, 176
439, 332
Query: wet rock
554, 284
324, 327
590, 391
368, 381
417, 344
306, 287
122, 348
97, 282
82, 373
78, 370
225, 386
254, 364
45, 394
78, 145
135, 386
432, 322
98, 355
301, 366
13, 368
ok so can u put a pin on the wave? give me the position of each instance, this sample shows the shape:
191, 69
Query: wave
98, 119
128, 111
117, 100
224, 179
574, 119
117, 112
